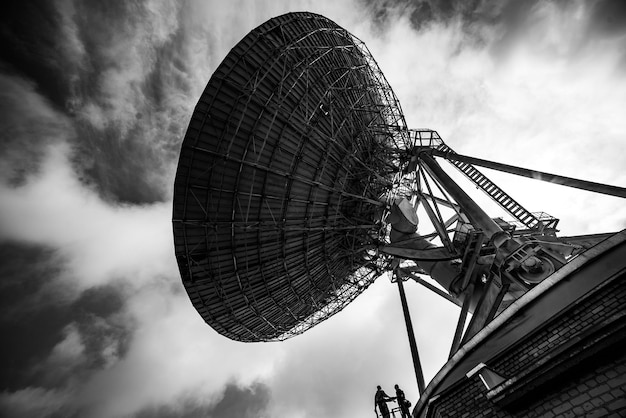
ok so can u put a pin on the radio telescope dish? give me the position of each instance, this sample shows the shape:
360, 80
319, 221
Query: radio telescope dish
281, 183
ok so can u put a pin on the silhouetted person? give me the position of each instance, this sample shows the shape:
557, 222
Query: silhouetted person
380, 400
402, 402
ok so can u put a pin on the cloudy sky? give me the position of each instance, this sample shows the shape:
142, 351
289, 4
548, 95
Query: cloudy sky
94, 100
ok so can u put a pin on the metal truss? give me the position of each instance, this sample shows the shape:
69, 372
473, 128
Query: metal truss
283, 180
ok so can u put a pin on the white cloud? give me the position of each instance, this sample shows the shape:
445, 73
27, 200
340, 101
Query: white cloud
70, 349
100, 242
173, 355
32, 402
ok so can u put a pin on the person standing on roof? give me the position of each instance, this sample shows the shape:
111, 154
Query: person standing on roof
380, 400
402, 402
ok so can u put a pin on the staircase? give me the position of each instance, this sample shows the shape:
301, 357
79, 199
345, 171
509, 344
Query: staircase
507, 202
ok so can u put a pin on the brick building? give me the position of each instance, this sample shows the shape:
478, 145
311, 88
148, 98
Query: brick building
558, 351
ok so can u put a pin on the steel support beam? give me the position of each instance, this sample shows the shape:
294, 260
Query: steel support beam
476, 215
432, 288
460, 326
534, 174
487, 306
417, 365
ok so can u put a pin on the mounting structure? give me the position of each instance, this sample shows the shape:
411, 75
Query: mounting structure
299, 184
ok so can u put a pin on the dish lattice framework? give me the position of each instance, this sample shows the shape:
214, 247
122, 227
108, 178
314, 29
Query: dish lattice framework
284, 172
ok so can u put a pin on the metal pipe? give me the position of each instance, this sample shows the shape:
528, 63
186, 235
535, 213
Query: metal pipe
538, 175
476, 215
419, 375
460, 326
434, 289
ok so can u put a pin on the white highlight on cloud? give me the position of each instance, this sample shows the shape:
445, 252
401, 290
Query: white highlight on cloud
70, 349
100, 242
173, 356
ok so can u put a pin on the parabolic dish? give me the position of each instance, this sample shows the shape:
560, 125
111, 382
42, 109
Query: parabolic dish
282, 179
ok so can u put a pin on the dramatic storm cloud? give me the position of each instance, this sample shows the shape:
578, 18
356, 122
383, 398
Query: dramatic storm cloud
94, 101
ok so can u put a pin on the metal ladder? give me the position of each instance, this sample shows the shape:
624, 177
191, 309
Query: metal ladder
490, 188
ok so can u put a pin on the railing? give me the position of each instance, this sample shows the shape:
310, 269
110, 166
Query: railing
425, 138
395, 413
549, 222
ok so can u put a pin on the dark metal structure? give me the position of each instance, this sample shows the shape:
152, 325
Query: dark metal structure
558, 350
299, 184
282, 179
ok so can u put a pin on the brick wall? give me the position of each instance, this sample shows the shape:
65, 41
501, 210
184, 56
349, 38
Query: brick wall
595, 388
591, 392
